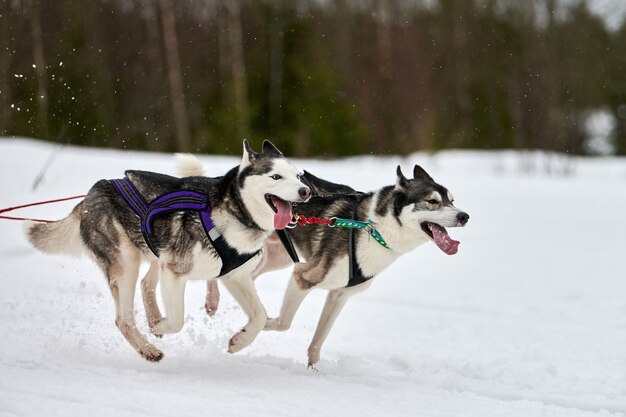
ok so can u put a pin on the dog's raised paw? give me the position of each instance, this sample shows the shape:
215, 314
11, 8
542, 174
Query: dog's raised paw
166, 326
270, 324
152, 355
275, 325
210, 309
230, 347
154, 331
232, 344
240, 340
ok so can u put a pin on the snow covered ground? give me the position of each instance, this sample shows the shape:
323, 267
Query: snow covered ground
528, 319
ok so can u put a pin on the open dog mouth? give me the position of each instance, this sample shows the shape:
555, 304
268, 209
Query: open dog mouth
282, 210
440, 236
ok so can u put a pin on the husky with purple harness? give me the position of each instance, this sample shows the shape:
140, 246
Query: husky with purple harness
187, 228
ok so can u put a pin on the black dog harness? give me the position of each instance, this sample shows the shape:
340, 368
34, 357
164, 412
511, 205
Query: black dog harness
182, 200
355, 273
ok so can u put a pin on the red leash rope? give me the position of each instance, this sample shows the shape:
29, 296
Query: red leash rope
35, 204
303, 221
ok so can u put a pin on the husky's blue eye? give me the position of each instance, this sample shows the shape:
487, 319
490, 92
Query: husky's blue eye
276, 177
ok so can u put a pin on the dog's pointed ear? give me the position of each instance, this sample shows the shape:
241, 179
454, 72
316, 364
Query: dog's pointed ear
401, 181
248, 154
420, 174
270, 149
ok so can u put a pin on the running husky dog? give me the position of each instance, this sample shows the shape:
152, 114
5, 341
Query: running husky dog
188, 228
343, 261
406, 215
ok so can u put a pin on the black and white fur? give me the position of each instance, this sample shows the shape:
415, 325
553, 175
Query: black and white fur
107, 229
404, 214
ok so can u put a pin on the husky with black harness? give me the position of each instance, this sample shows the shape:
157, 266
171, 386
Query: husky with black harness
187, 228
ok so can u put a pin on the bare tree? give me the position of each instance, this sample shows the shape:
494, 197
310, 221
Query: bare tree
238, 66
384, 88
276, 65
5, 61
223, 48
40, 67
155, 74
175, 76
384, 37
343, 35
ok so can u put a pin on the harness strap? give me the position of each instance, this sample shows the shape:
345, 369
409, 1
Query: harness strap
355, 273
285, 239
184, 200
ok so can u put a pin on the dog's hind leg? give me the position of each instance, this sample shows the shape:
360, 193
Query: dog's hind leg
148, 294
244, 292
212, 297
119, 259
173, 294
335, 300
122, 281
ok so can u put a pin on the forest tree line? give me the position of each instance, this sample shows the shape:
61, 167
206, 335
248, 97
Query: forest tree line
319, 78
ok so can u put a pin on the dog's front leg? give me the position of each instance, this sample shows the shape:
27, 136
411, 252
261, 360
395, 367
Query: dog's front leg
335, 300
274, 257
173, 295
243, 290
294, 295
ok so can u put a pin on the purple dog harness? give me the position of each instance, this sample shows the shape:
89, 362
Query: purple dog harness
183, 200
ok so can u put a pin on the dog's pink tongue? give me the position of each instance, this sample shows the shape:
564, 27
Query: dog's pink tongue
283, 213
444, 241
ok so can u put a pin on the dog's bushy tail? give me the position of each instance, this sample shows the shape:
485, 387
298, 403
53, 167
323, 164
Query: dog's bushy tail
62, 236
187, 165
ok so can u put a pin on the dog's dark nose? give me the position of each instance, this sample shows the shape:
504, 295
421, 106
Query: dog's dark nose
304, 193
462, 217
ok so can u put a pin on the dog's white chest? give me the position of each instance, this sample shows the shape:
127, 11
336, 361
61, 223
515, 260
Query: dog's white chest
337, 275
372, 257
207, 264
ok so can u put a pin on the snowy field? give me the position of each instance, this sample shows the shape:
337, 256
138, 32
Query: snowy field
528, 319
